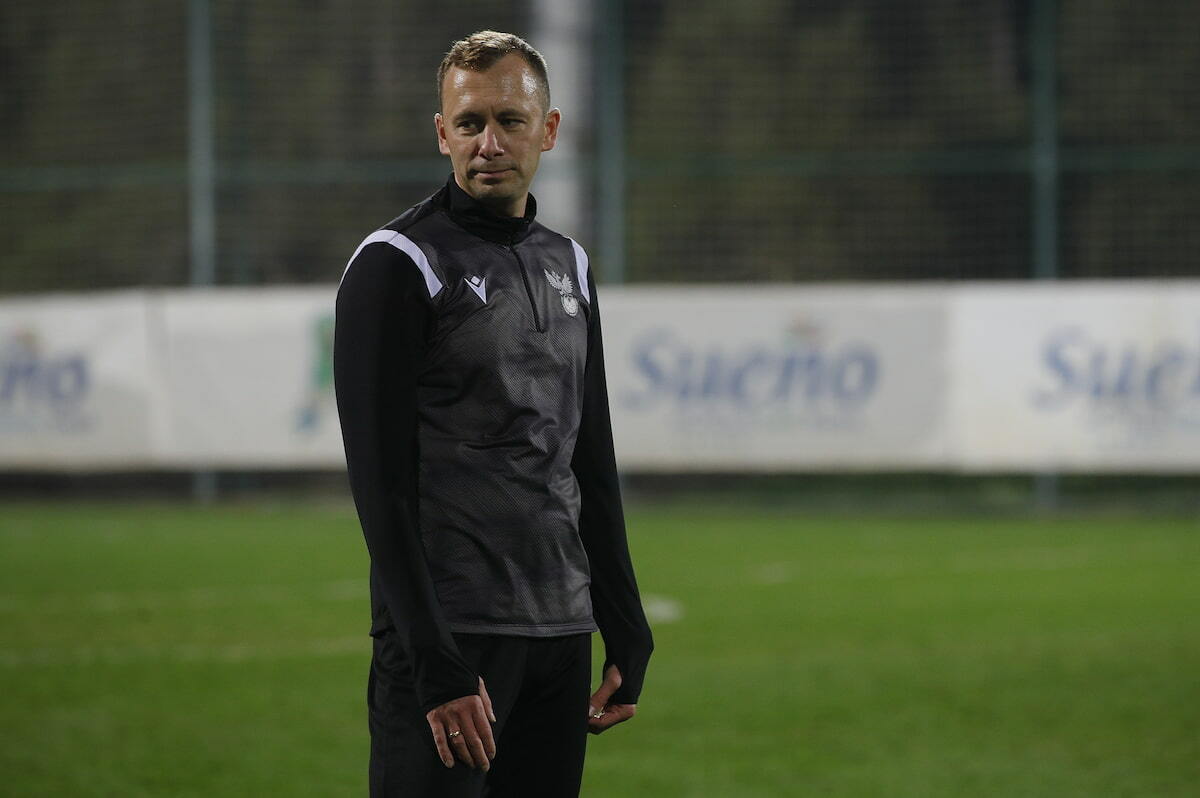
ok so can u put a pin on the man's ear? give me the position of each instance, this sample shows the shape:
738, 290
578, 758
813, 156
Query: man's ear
553, 117
440, 124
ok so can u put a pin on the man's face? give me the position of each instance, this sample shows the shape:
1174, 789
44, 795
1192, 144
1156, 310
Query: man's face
494, 128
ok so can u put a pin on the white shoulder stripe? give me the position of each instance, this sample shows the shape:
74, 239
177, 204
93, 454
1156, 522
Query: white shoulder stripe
581, 270
408, 247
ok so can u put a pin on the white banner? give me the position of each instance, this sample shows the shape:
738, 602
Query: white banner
776, 377
250, 378
79, 386
1078, 376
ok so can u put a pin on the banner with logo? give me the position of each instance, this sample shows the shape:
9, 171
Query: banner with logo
777, 377
79, 383
1079, 376
249, 378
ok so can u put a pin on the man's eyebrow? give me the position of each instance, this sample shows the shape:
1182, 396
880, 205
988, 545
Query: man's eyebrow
474, 116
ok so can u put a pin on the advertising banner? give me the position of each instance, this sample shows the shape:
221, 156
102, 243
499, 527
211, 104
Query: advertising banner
1080, 376
1077, 376
704, 378
249, 378
78, 383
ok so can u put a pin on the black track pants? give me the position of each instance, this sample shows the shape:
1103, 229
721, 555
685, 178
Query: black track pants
539, 689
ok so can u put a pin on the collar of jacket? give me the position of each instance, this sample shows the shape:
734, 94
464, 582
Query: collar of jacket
477, 218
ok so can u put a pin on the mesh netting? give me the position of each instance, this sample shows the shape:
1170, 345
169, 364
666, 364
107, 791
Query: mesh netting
765, 140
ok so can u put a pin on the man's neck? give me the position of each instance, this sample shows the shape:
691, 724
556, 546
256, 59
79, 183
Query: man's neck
483, 220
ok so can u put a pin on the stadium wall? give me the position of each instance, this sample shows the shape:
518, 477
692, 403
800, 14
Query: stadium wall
1095, 376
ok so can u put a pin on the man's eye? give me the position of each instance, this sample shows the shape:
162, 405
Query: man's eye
511, 122
467, 127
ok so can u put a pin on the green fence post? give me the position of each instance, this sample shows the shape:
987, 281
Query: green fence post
1044, 160
610, 146
1045, 173
201, 150
201, 177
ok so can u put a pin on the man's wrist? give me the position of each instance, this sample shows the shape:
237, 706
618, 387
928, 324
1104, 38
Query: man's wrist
436, 699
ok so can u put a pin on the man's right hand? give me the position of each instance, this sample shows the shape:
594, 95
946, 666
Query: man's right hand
469, 716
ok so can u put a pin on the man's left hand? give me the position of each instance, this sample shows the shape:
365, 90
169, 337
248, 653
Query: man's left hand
603, 715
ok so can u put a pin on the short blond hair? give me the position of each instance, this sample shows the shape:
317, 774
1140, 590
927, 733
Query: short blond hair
481, 50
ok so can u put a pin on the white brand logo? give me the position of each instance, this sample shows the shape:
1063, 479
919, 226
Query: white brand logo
476, 284
565, 289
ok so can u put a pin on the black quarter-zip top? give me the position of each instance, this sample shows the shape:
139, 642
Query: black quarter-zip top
537, 321
469, 373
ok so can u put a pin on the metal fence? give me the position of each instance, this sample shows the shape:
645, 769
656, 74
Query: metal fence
150, 143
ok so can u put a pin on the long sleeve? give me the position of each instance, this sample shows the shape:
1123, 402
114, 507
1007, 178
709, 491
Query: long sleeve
382, 316
616, 604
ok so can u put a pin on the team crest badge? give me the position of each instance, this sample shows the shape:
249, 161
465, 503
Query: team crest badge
566, 291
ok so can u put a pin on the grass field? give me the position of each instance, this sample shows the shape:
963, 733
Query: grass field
171, 651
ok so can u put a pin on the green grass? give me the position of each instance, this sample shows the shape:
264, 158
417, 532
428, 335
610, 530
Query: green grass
171, 651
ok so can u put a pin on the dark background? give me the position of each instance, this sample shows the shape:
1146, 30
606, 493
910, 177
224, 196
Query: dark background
761, 141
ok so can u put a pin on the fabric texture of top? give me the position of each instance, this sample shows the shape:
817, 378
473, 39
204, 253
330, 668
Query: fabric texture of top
469, 373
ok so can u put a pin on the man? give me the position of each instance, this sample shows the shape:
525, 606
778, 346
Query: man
470, 383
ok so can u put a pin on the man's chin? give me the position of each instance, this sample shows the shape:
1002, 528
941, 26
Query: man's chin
495, 192
498, 185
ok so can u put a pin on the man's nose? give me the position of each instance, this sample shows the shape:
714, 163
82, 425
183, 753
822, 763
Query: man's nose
490, 143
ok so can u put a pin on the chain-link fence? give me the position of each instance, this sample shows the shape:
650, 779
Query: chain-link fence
762, 140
